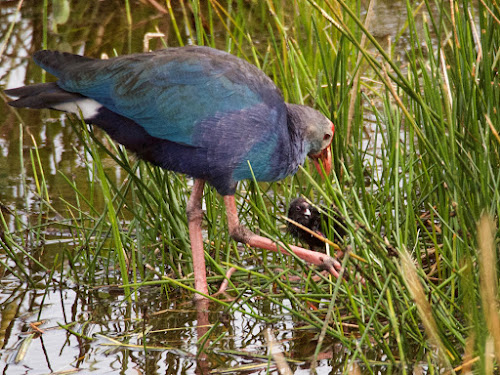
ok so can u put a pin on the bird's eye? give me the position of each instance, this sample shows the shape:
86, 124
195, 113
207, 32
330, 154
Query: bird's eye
327, 136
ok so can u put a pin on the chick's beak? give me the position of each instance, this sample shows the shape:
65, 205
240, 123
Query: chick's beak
326, 158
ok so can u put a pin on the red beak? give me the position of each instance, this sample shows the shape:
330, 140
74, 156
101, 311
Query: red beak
326, 158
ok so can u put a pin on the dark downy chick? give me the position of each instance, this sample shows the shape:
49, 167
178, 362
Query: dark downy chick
307, 215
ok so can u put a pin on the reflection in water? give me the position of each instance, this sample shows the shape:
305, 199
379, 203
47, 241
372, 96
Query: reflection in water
151, 335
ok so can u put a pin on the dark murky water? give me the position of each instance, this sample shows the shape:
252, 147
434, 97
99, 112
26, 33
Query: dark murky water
150, 337
173, 325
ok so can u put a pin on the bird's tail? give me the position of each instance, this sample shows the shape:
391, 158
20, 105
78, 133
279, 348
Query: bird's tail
50, 95
57, 63
42, 95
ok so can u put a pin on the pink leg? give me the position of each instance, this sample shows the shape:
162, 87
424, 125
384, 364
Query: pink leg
225, 282
203, 365
195, 216
241, 234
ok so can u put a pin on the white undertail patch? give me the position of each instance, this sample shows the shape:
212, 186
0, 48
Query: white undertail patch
88, 107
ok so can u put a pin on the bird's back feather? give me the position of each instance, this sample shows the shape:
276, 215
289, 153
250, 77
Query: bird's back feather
193, 110
169, 93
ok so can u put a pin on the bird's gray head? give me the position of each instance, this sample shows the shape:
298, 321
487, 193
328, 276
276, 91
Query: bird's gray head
317, 132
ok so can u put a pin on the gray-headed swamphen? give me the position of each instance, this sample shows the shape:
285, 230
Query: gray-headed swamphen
193, 110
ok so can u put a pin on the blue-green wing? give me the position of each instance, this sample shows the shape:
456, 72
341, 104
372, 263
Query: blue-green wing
170, 92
